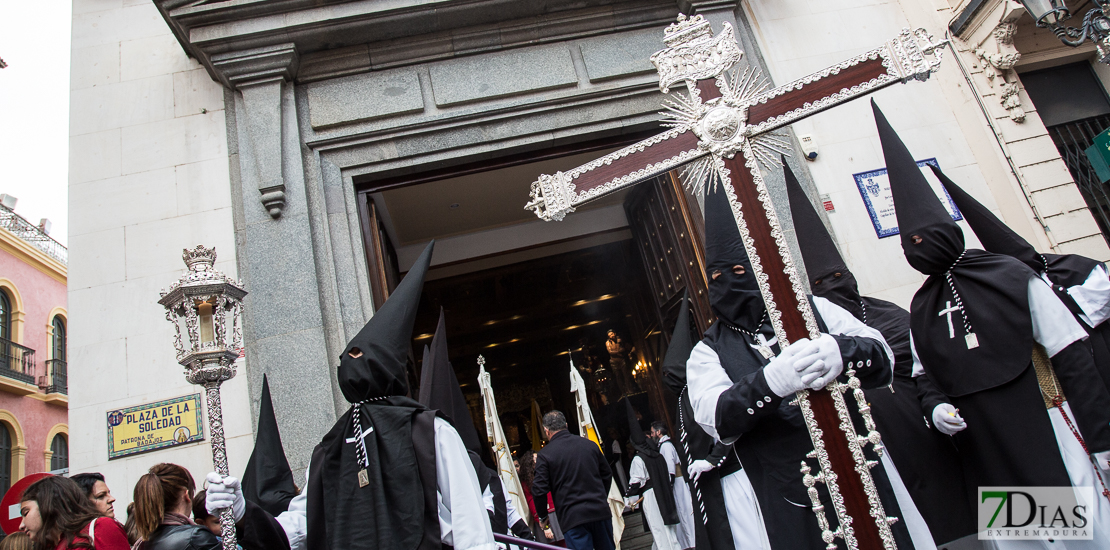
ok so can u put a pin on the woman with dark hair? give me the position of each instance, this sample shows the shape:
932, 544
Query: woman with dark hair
527, 473
57, 514
163, 501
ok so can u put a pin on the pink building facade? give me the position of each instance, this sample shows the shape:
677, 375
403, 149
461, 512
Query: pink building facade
34, 432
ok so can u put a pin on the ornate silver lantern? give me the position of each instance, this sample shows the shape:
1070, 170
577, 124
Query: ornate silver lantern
206, 305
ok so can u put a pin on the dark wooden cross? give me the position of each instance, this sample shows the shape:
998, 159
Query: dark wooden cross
722, 129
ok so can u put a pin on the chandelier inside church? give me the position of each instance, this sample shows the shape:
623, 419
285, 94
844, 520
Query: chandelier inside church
1051, 14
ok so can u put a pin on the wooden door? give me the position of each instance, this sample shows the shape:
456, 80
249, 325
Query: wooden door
381, 257
667, 229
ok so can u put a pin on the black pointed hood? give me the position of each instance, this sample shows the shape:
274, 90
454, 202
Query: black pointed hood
636, 432
439, 389
829, 276
678, 351
385, 341
656, 465
920, 213
734, 298
268, 480
995, 235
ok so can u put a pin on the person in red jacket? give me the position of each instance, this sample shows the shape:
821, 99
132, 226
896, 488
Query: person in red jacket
57, 514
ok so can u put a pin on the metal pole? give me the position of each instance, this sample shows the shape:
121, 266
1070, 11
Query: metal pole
219, 456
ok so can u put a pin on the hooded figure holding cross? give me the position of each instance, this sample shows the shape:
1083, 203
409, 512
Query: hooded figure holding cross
990, 368
741, 384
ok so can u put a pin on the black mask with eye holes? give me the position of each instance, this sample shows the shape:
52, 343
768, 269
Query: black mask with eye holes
933, 249
734, 297
839, 287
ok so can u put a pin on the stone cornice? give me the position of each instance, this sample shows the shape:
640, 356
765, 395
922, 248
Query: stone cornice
32, 256
244, 40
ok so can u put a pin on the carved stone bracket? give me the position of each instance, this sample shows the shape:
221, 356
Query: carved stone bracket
259, 75
999, 57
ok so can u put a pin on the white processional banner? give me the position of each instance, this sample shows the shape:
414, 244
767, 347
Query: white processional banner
496, 436
588, 429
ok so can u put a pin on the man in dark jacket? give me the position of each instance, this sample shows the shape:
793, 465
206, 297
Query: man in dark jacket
575, 471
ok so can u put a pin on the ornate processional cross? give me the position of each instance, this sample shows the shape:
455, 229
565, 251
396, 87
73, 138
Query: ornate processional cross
719, 130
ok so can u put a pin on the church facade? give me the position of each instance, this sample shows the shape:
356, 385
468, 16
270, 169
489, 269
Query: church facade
319, 146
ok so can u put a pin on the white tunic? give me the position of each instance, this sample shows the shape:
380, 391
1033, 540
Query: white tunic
1093, 296
665, 536
682, 501
463, 522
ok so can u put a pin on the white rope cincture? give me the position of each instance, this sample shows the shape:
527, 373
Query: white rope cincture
686, 447
970, 339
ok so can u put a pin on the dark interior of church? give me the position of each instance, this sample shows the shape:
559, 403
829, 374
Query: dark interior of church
604, 294
530, 320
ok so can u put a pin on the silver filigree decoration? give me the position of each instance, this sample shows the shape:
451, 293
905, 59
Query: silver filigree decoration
828, 476
693, 53
560, 196
906, 58
862, 466
790, 269
811, 481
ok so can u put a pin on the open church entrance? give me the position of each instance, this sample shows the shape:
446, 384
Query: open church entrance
601, 288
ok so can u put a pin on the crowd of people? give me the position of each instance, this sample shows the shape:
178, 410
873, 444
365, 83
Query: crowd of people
167, 513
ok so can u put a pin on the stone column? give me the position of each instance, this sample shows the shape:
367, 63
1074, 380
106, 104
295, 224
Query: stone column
284, 331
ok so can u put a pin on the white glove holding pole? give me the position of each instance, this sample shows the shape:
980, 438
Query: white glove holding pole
947, 419
821, 368
782, 376
699, 467
225, 492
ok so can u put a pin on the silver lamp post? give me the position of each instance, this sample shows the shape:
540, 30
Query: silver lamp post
205, 305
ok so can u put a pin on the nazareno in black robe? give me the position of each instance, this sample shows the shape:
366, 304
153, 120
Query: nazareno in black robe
1009, 440
711, 526
927, 460
1062, 270
773, 438
268, 480
397, 509
440, 390
657, 469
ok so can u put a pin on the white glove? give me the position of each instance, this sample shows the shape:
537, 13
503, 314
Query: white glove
782, 376
225, 492
699, 467
1103, 461
821, 368
947, 419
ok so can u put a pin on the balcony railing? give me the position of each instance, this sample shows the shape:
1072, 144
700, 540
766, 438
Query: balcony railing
32, 234
56, 376
16, 361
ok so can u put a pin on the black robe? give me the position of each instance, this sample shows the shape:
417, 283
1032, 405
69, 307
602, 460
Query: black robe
927, 460
1010, 440
258, 530
774, 440
712, 530
398, 509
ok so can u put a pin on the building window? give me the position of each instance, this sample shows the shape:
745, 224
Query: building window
5, 457
1073, 119
5, 316
60, 448
58, 339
